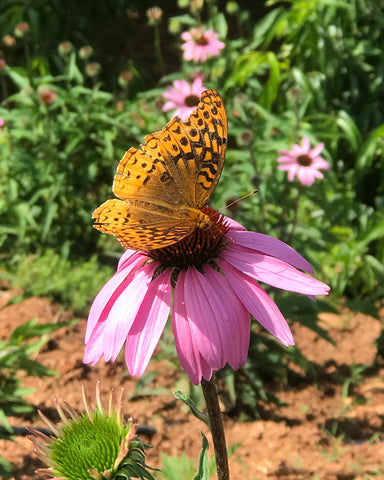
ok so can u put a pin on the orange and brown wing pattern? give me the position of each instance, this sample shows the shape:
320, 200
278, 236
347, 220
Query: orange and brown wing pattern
163, 185
139, 227
197, 147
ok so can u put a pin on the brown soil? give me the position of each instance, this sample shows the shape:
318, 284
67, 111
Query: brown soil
292, 446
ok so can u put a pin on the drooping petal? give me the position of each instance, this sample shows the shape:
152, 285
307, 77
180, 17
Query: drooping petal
149, 323
203, 318
270, 246
258, 303
234, 318
124, 310
187, 350
94, 348
306, 176
105, 299
275, 272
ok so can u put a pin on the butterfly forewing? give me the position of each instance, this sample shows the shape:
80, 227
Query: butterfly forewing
163, 185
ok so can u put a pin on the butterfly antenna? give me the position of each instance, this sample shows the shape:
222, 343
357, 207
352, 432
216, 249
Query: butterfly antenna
235, 201
241, 198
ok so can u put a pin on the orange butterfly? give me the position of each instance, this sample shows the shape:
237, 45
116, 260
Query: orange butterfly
163, 185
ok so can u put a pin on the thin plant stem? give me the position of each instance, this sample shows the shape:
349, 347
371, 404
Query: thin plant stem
217, 428
4, 91
295, 214
158, 49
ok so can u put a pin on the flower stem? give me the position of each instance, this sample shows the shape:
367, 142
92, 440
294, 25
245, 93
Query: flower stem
217, 428
158, 49
295, 215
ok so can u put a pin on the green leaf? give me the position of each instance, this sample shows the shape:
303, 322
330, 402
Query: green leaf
203, 464
192, 405
18, 75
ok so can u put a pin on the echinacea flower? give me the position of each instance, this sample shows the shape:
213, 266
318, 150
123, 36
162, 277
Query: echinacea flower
201, 44
95, 444
210, 279
303, 162
1, 123
183, 96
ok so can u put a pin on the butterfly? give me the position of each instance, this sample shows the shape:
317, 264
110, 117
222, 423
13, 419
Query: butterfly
162, 186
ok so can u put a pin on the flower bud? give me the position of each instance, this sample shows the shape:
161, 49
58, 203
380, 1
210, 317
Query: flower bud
154, 15
232, 7
65, 48
93, 69
9, 40
85, 52
124, 78
21, 29
46, 94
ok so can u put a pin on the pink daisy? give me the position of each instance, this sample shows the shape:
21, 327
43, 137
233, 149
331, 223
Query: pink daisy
210, 280
200, 44
184, 97
303, 162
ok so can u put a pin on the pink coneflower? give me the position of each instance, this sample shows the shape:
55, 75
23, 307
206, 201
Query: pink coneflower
184, 97
200, 44
303, 162
210, 279
1, 123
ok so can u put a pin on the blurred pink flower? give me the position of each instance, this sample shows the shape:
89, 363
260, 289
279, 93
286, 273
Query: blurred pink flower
210, 279
200, 44
184, 97
303, 162
1, 123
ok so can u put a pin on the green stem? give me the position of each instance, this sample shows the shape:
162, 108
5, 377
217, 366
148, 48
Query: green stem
4, 91
295, 215
217, 428
158, 49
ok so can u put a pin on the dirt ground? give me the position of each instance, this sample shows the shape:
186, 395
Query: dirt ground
292, 446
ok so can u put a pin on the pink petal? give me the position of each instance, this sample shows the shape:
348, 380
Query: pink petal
94, 349
306, 145
204, 321
320, 163
275, 272
234, 318
149, 323
316, 150
187, 350
233, 225
124, 310
105, 299
128, 258
270, 246
306, 176
259, 304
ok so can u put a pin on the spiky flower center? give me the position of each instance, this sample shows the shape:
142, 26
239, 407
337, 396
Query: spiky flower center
191, 100
87, 443
201, 247
304, 160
